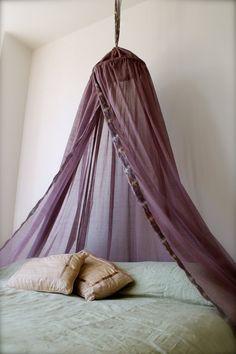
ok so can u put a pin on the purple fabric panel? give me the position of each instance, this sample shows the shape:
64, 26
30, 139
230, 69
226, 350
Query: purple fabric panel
128, 89
89, 189
118, 229
111, 202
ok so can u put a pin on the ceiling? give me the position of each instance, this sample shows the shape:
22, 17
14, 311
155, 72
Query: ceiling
37, 22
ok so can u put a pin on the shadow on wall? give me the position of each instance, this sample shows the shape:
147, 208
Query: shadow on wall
202, 160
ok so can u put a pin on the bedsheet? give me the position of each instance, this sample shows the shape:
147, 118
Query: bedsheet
36, 323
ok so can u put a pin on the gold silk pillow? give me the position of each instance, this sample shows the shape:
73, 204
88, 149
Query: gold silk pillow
99, 279
54, 274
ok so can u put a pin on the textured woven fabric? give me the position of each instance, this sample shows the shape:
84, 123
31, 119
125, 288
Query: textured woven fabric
99, 279
34, 322
55, 274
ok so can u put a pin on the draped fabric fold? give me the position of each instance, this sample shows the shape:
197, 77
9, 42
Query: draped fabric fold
119, 135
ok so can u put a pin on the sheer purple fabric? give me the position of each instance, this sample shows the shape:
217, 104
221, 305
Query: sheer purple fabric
119, 134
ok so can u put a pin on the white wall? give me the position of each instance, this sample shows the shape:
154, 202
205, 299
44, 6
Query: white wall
189, 49
14, 70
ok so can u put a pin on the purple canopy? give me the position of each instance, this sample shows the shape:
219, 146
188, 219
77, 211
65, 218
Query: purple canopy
119, 134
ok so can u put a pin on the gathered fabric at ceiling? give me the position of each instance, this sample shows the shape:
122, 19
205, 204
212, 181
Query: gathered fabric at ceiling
119, 134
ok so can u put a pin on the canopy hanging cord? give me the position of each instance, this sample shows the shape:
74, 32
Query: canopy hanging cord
117, 21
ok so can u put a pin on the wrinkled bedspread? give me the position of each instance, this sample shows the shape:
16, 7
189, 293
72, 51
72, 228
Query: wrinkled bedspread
41, 323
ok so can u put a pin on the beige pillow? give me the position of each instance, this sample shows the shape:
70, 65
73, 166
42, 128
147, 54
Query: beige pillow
99, 279
55, 273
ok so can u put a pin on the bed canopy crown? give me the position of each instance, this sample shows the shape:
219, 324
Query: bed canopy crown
119, 136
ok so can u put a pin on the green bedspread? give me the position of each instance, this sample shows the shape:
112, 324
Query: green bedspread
41, 323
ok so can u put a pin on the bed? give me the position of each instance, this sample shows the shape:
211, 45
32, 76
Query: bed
162, 313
